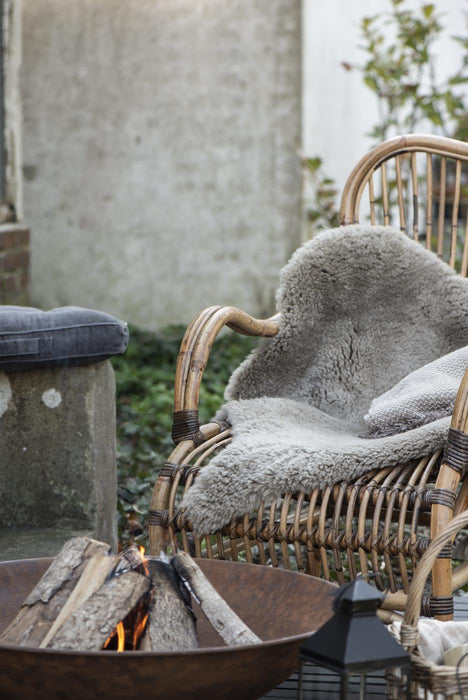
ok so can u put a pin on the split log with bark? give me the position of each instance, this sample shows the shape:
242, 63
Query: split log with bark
223, 618
45, 602
168, 604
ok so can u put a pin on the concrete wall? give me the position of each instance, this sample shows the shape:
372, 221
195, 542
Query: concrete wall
57, 461
160, 153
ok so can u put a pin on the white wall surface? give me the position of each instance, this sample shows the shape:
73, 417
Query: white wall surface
338, 109
160, 153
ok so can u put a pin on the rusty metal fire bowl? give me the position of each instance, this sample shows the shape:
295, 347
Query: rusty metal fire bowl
282, 608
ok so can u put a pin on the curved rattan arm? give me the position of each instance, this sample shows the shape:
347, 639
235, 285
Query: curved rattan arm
354, 186
453, 468
409, 637
460, 411
193, 357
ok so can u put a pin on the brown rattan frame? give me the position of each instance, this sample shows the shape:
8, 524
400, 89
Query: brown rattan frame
382, 522
426, 675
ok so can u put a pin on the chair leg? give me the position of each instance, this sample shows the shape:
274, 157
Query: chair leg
441, 601
454, 464
462, 499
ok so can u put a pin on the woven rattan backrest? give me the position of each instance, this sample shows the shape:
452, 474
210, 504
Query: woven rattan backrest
418, 183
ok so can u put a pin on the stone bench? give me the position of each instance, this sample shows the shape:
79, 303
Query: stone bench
57, 426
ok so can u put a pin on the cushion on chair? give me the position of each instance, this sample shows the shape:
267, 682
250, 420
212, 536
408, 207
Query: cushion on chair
423, 396
60, 337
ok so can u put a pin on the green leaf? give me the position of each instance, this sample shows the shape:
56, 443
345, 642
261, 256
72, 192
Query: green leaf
428, 10
458, 80
371, 83
313, 164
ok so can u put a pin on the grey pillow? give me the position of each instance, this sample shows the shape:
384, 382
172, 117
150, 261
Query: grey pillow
61, 337
423, 396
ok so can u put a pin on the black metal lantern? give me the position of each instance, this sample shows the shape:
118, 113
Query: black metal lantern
354, 640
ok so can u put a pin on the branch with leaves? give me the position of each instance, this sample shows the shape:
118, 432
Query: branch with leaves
400, 69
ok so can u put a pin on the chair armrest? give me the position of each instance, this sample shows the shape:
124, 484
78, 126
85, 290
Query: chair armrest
460, 411
455, 458
456, 451
193, 357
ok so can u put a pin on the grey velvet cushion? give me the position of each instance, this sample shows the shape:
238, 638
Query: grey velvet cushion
60, 337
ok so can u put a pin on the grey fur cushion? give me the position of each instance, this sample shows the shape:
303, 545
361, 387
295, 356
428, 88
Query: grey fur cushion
361, 308
60, 337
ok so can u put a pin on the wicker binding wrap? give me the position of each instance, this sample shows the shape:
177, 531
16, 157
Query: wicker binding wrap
383, 521
440, 680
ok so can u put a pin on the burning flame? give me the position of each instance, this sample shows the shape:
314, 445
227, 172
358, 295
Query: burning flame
120, 637
144, 561
120, 632
139, 630
134, 624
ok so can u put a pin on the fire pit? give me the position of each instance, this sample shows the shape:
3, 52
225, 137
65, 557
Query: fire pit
281, 607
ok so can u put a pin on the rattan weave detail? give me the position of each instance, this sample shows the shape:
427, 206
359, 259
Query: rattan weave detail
446, 552
443, 497
185, 426
169, 469
456, 450
436, 605
158, 517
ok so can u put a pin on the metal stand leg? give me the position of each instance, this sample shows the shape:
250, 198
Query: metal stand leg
362, 687
299, 687
344, 687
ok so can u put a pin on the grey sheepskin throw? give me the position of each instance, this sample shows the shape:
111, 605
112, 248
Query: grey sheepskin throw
361, 308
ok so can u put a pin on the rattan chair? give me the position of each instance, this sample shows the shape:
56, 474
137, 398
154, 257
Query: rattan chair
382, 522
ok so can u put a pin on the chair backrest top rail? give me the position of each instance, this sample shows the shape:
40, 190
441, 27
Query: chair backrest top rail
399, 145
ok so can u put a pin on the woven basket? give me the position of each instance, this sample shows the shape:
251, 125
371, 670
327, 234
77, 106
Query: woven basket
442, 681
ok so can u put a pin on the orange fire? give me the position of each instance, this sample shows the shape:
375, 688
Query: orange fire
139, 630
144, 562
133, 624
120, 637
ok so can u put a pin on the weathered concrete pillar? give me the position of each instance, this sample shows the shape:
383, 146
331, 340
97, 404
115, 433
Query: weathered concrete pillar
57, 458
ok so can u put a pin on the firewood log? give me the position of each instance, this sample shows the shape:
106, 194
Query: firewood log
130, 558
97, 570
90, 624
223, 618
171, 624
43, 605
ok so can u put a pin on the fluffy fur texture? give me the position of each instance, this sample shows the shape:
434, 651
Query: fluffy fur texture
361, 307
